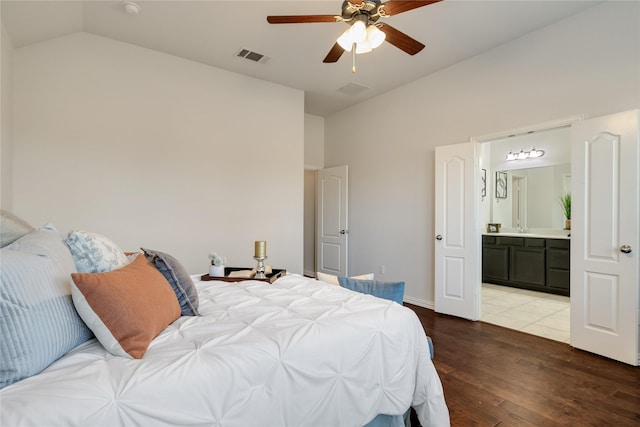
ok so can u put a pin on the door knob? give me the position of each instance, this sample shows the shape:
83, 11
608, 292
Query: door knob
344, 231
439, 237
625, 249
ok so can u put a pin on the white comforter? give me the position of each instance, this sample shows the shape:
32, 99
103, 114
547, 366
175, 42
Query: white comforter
296, 353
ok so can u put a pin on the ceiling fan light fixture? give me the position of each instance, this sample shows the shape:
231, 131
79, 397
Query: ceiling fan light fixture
373, 38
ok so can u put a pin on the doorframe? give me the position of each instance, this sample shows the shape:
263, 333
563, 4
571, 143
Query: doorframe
305, 249
568, 121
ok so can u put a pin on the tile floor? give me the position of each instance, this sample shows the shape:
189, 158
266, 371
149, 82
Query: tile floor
536, 313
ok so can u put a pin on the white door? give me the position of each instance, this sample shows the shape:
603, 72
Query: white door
457, 238
604, 242
332, 216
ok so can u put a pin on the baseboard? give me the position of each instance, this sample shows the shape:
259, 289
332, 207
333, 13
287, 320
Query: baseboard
420, 302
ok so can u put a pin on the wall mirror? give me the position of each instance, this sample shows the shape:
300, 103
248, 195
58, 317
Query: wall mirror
532, 197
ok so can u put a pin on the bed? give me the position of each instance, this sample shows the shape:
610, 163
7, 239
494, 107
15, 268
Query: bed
298, 352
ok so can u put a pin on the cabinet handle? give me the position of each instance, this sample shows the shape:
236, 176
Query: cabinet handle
625, 249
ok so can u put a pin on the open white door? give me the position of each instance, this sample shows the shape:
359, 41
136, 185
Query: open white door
604, 243
457, 238
332, 216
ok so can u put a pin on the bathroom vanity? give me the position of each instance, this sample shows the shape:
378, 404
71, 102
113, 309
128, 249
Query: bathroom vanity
528, 261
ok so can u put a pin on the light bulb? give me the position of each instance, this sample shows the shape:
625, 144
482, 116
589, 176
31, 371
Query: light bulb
375, 36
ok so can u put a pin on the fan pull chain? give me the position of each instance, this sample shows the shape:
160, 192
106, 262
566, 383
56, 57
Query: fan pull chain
353, 58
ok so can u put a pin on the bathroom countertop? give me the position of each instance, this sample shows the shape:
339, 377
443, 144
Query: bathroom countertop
559, 234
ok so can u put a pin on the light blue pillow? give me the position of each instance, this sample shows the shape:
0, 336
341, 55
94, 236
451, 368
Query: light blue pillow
393, 291
94, 253
178, 278
38, 321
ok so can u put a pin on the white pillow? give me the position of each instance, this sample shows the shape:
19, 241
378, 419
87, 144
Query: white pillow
94, 253
333, 280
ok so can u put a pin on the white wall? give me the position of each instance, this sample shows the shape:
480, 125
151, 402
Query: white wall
567, 69
313, 141
156, 151
6, 122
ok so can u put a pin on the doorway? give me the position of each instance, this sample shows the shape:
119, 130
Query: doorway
326, 221
529, 208
309, 235
519, 203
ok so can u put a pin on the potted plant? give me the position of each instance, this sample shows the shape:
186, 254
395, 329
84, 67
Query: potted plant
565, 202
216, 269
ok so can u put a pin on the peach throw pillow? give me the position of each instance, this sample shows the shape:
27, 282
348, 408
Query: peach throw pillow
125, 308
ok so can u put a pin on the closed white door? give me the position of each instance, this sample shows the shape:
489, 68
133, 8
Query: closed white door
604, 243
457, 238
332, 218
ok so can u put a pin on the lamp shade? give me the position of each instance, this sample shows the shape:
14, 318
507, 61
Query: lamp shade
375, 36
345, 41
358, 32
363, 47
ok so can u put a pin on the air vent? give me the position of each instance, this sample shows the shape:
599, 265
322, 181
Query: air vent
353, 89
253, 56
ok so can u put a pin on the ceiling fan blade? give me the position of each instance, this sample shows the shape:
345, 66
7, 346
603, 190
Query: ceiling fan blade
334, 54
394, 7
300, 19
401, 40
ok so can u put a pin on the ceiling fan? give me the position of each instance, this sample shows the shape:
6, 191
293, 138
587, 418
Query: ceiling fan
365, 32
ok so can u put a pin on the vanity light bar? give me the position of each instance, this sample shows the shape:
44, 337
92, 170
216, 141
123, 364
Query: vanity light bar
523, 155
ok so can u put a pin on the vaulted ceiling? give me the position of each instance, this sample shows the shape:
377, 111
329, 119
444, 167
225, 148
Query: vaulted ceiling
213, 32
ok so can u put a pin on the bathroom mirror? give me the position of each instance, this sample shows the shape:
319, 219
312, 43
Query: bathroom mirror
532, 198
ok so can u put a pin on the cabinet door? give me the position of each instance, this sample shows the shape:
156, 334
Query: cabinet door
558, 264
558, 279
527, 266
495, 263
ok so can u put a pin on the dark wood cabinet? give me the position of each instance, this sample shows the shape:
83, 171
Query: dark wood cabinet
525, 262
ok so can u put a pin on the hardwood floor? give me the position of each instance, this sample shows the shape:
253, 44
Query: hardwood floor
493, 376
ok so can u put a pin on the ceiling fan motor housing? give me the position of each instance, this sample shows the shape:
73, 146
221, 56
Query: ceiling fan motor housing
367, 11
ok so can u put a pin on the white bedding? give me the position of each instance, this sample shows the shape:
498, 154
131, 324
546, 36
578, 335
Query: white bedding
295, 353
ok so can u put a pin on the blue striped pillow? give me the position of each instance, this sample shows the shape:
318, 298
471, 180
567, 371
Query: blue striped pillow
38, 322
